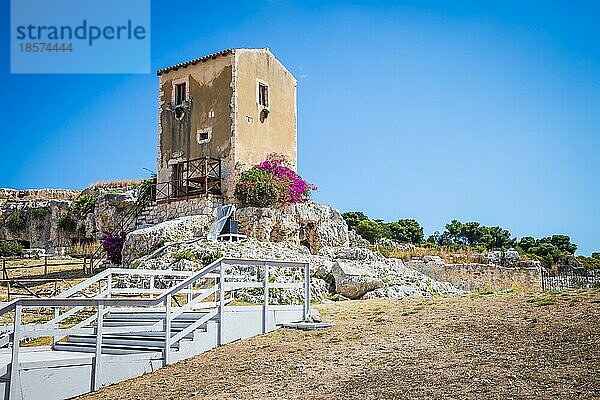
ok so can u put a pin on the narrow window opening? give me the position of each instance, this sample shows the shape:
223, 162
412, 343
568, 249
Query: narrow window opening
263, 95
180, 96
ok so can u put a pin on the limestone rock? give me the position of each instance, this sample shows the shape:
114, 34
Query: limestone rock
511, 257
355, 240
313, 316
145, 241
310, 224
495, 257
353, 282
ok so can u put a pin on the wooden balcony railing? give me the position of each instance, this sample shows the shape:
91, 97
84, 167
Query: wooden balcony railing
196, 177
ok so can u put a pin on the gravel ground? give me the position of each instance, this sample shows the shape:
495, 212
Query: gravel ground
499, 346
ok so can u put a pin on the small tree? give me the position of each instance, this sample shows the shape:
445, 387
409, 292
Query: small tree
370, 230
407, 231
353, 218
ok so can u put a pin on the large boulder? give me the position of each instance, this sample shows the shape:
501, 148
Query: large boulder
310, 224
144, 241
352, 281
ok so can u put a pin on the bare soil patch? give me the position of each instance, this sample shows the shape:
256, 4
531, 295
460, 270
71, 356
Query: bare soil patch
498, 346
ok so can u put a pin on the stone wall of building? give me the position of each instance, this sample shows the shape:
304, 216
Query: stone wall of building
164, 211
482, 277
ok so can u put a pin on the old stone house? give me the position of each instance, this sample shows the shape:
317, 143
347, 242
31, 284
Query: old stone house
218, 114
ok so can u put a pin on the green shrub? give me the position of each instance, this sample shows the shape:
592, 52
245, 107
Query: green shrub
272, 183
211, 257
258, 188
67, 223
84, 204
10, 248
589, 262
40, 212
17, 221
183, 255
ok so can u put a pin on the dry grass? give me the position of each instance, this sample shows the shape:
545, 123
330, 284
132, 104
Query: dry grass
460, 256
68, 272
518, 346
114, 184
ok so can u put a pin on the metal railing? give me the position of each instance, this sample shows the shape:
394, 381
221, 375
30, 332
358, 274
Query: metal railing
109, 289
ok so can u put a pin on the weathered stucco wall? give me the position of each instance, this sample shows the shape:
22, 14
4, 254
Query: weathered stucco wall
222, 92
481, 276
208, 86
277, 133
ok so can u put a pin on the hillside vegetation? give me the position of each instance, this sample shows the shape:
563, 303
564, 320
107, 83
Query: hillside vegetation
468, 238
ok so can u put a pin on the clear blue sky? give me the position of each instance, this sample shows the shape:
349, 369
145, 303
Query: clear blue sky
434, 110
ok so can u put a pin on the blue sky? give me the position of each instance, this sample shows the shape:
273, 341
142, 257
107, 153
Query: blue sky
432, 110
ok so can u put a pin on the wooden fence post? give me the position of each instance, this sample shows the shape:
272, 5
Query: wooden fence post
45, 265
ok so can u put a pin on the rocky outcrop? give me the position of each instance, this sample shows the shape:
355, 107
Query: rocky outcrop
353, 282
52, 219
310, 224
144, 241
37, 194
34, 222
337, 272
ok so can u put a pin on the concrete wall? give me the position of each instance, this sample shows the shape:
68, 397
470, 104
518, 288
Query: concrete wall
277, 133
481, 276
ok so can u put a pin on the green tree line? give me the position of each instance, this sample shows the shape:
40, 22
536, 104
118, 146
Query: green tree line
551, 250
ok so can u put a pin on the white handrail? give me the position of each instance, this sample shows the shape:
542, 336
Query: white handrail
102, 302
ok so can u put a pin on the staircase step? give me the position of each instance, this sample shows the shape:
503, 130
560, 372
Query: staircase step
146, 321
106, 349
122, 340
153, 315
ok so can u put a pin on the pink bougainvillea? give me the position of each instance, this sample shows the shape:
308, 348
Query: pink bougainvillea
272, 182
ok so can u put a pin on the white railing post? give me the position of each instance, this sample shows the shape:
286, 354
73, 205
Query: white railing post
221, 300
109, 284
306, 290
98, 356
56, 315
167, 354
266, 297
15, 385
151, 286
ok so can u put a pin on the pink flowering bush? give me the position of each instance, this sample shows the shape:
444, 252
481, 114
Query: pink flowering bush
272, 183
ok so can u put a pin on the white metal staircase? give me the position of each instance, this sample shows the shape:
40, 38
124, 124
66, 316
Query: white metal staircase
122, 323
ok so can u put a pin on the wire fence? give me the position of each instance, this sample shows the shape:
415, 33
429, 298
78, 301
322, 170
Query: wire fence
580, 278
